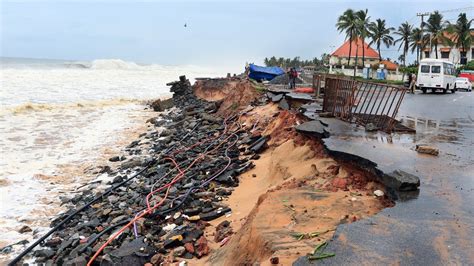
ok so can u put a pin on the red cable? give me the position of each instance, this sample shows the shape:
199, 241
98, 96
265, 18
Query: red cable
168, 186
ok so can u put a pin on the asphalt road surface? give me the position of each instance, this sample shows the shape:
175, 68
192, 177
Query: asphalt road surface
434, 226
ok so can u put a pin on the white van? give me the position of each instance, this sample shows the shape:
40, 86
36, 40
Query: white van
436, 74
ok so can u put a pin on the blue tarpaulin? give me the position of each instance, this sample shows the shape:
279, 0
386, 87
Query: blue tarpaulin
260, 73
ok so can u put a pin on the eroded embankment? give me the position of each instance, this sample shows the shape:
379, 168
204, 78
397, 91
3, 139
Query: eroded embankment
294, 197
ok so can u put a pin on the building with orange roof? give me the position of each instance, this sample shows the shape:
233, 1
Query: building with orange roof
341, 55
389, 65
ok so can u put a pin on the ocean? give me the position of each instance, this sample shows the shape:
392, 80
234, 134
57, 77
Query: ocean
58, 120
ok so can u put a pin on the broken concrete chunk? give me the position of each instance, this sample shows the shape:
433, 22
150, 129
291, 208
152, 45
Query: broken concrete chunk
401, 181
314, 128
422, 148
277, 98
284, 104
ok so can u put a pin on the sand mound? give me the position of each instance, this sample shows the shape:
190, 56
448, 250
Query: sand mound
293, 192
295, 188
232, 94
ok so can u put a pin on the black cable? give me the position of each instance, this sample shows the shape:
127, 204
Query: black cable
70, 216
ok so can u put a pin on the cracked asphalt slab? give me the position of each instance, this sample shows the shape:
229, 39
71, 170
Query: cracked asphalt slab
434, 226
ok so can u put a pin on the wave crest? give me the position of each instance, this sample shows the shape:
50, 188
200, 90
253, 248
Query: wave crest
36, 107
113, 64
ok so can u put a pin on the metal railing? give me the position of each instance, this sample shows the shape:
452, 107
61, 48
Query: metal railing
363, 102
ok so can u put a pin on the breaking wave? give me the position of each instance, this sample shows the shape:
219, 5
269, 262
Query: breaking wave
36, 107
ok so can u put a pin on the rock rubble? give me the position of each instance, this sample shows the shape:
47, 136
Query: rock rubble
210, 152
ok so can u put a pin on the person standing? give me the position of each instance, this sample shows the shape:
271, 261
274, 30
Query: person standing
293, 75
413, 83
410, 77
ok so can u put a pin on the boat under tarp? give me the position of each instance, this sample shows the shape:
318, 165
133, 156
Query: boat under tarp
260, 73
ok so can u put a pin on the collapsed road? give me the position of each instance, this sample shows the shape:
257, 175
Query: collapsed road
235, 178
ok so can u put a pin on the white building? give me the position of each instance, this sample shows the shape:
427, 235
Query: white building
452, 54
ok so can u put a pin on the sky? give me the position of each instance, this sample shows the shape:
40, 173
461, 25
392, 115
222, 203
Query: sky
218, 33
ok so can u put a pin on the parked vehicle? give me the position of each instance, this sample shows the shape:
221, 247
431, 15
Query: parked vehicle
467, 74
436, 74
463, 84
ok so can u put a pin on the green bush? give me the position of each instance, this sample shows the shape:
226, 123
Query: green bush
409, 69
468, 66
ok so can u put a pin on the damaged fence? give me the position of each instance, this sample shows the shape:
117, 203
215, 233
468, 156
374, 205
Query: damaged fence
363, 102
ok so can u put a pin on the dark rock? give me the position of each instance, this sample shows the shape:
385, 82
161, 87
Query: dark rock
130, 248
114, 159
274, 260
53, 242
117, 179
214, 214
134, 162
44, 253
371, 127
191, 212
24, 229
284, 105
78, 261
211, 118
259, 145
192, 235
161, 105
187, 255
313, 128
173, 242
223, 230
401, 180
156, 259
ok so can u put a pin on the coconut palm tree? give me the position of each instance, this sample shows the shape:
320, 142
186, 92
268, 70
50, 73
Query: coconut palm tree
461, 32
380, 34
363, 29
348, 23
436, 29
404, 31
416, 40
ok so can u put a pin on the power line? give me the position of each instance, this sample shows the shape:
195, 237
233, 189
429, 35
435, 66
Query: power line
456, 9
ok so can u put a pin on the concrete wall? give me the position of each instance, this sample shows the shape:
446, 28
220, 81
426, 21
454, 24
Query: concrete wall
334, 60
390, 75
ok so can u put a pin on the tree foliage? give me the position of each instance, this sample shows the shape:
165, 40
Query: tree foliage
296, 61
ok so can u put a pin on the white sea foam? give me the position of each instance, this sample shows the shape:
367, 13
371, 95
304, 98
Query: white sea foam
56, 117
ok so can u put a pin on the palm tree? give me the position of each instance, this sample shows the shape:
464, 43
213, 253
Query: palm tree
435, 28
348, 23
416, 40
404, 31
380, 34
363, 29
461, 32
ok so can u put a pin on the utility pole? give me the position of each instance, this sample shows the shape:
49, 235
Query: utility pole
422, 15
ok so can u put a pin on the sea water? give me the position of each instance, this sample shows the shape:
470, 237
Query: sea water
57, 119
